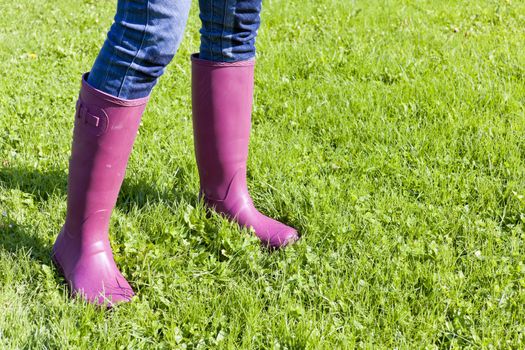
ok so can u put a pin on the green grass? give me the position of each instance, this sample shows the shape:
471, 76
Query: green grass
391, 133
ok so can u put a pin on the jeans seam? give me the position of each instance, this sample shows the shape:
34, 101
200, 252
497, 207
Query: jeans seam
114, 51
211, 44
224, 10
138, 50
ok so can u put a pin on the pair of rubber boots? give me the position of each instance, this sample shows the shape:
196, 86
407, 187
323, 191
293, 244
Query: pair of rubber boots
104, 133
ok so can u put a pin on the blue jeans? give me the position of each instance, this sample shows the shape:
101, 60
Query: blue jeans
146, 34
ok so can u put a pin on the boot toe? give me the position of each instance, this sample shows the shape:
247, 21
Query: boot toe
105, 294
283, 238
94, 277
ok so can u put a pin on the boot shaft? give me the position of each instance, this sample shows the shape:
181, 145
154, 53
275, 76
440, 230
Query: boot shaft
104, 133
222, 96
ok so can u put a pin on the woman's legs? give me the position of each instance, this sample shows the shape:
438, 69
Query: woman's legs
222, 94
140, 44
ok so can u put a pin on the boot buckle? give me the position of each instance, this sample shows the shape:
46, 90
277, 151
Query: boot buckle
99, 121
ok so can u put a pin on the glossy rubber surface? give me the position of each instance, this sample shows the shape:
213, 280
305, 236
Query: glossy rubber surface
222, 95
104, 133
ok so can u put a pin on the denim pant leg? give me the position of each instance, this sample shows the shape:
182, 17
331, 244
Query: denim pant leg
141, 42
146, 34
229, 28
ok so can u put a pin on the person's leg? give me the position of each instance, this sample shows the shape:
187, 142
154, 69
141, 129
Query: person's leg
141, 42
104, 132
222, 94
229, 28
112, 98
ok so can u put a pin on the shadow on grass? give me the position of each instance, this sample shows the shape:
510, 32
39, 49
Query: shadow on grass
21, 240
134, 192
15, 237
41, 185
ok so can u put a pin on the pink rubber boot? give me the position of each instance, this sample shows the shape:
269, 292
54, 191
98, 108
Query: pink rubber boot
105, 129
222, 95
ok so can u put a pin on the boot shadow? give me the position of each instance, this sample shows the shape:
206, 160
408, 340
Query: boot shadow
17, 238
41, 185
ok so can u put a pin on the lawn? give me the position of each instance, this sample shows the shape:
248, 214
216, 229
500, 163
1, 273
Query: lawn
391, 133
